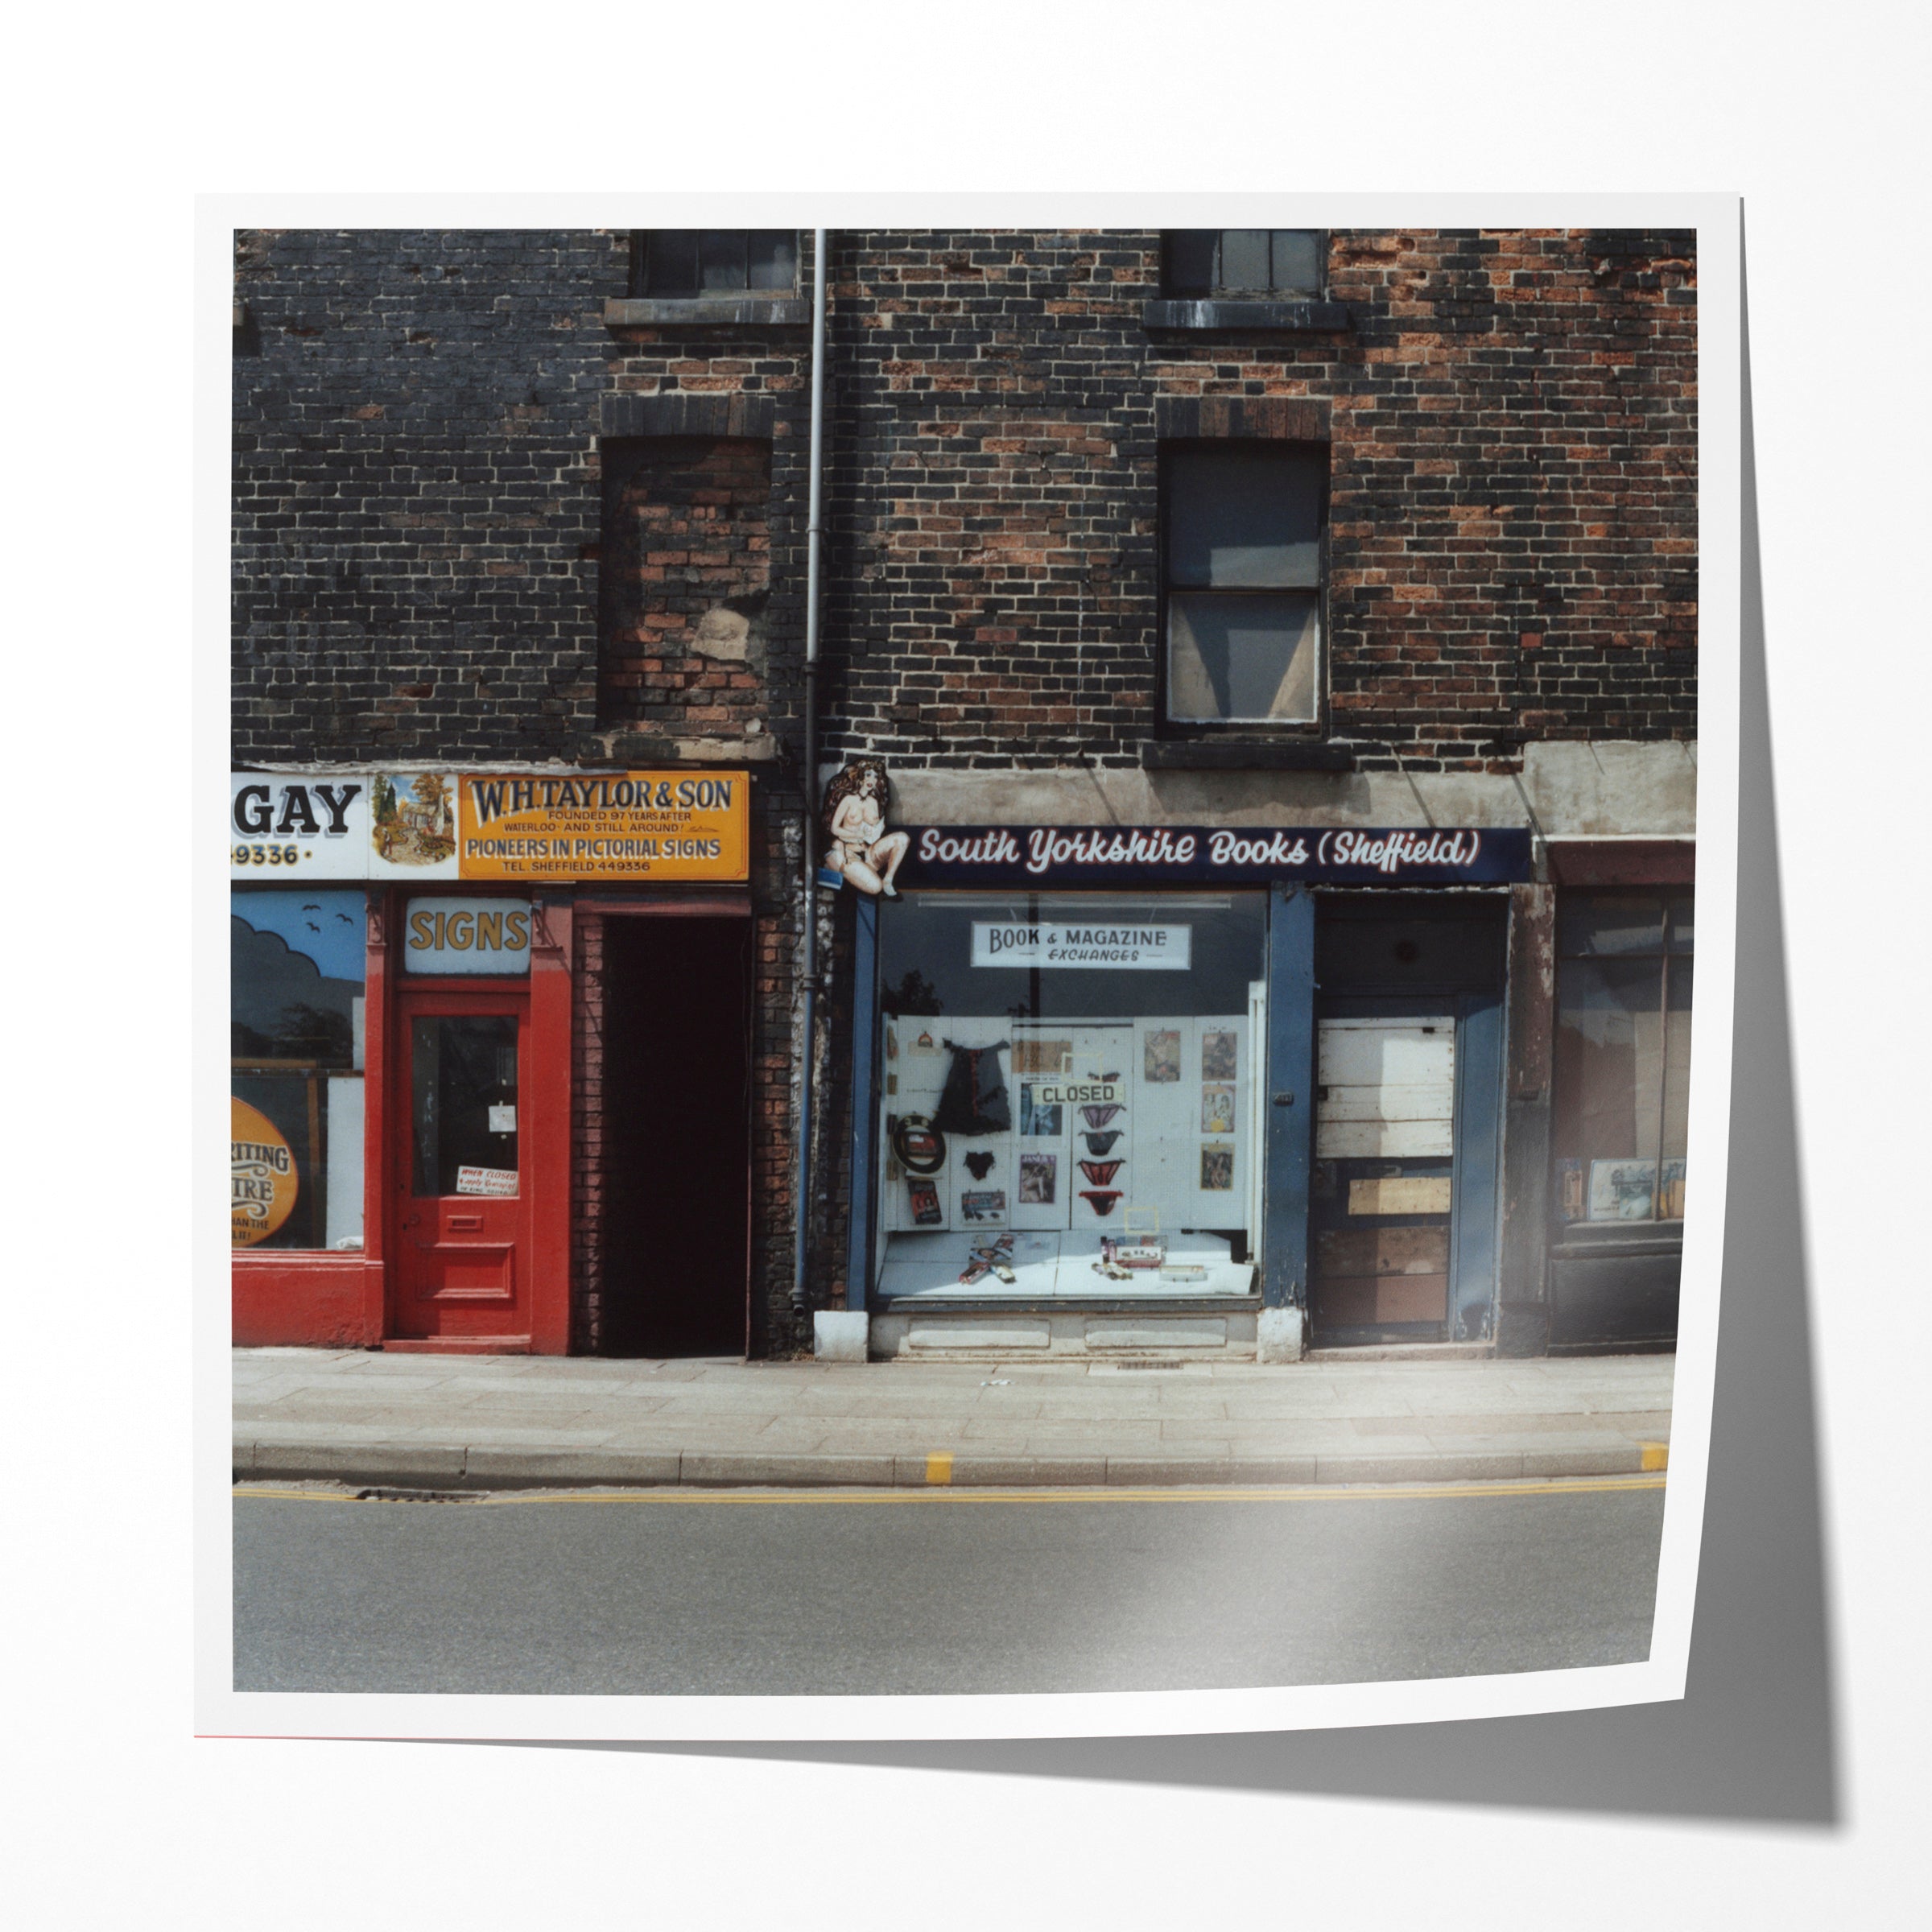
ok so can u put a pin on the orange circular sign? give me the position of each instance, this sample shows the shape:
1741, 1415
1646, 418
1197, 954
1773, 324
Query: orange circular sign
262, 1194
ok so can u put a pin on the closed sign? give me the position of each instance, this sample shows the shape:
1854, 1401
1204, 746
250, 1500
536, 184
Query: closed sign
466, 936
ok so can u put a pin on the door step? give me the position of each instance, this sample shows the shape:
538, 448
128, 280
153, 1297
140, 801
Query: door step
457, 1344
1404, 1351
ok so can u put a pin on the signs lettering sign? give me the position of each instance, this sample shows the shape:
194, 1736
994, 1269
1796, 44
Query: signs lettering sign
466, 936
1115, 855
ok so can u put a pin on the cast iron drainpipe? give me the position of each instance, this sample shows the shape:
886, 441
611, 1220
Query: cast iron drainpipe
809, 776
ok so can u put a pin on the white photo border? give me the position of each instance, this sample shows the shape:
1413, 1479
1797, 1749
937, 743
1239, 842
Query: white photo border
221, 1711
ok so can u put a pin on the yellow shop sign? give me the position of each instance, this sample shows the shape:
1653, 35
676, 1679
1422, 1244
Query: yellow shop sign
607, 825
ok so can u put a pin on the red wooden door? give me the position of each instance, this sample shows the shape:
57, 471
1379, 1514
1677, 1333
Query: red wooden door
462, 1251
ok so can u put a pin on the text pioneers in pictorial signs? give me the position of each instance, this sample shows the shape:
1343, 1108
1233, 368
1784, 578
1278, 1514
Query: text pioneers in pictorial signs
1102, 943
635, 824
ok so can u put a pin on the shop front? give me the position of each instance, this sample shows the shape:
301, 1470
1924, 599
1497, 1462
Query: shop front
1181, 1089
407, 998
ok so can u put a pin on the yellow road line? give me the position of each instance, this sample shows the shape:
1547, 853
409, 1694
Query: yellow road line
1328, 1493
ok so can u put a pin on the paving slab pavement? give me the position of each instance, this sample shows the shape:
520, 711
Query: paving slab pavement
500, 1421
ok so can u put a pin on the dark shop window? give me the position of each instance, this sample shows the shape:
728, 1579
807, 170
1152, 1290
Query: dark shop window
1249, 261
1623, 1056
668, 263
1243, 555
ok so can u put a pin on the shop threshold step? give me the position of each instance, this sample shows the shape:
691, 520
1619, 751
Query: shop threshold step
457, 1344
1402, 1352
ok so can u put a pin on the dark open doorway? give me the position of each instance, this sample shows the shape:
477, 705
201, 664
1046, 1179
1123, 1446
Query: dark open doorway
676, 1106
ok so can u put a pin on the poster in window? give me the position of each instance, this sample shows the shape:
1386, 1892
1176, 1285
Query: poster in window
1622, 1190
1039, 1174
263, 1185
1670, 1192
1217, 1056
1042, 1056
1571, 1204
924, 1199
1217, 1169
983, 1204
1217, 1107
1161, 1056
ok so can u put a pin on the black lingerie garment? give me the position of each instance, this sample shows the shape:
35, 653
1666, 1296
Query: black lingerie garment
974, 1101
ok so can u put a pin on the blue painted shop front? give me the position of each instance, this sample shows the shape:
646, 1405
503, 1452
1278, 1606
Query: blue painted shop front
1203, 1102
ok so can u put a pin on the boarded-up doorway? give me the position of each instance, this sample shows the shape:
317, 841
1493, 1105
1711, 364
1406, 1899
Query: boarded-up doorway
676, 1112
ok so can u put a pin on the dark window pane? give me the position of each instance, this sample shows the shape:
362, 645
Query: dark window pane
464, 1081
721, 259
1190, 261
1677, 1092
1608, 924
1244, 259
774, 259
1246, 656
1682, 923
1246, 516
673, 258
1608, 1095
1297, 264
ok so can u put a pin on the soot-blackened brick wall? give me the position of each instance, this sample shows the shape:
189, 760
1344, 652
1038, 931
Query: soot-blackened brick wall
416, 495
685, 578
1511, 424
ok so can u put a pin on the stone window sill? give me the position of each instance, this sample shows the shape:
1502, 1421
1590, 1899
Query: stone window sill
1279, 318
708, 311
1244, 754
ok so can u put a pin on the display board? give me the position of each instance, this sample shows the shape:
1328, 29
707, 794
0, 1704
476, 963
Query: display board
1150, 1116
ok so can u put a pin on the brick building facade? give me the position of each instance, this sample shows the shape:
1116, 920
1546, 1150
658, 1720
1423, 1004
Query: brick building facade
538, 501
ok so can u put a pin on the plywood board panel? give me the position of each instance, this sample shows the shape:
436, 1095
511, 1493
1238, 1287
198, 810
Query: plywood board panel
1402, 1194
1382, 1140
1368, 1053
1367, 1301
1434, 1102
1382, 1251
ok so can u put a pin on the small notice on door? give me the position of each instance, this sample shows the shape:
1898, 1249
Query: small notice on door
503, 1119
486, 1180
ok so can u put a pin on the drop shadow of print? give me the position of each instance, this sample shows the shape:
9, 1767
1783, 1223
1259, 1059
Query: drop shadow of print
1754, 1738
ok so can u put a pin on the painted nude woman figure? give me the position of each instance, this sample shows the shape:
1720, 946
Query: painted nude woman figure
861, 850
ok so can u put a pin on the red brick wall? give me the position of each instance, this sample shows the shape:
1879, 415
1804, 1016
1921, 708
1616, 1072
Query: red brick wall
686, 537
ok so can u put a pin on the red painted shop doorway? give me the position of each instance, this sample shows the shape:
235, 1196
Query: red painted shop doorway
463, 1182
676, 1106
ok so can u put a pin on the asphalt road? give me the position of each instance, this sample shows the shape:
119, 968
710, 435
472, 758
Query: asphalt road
869, 1592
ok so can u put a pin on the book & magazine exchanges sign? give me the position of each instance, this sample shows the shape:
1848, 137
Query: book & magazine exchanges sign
420, 825
1114, 854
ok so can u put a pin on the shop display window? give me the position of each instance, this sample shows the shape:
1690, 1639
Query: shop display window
1621, 1098
1063, 1072
296, 976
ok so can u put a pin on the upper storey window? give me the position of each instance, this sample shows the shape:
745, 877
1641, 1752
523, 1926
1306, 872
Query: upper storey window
1244, 554
672, 263
1251, 262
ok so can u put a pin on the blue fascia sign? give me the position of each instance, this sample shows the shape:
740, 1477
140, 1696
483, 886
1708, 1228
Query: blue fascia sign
1033, 856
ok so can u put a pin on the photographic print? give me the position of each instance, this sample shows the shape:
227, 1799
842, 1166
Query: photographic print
1218, 1056
560, 1173
1160, 1055
1038, 1122
1038, 1173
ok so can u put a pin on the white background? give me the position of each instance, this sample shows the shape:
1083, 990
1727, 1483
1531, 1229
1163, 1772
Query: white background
119, 1816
